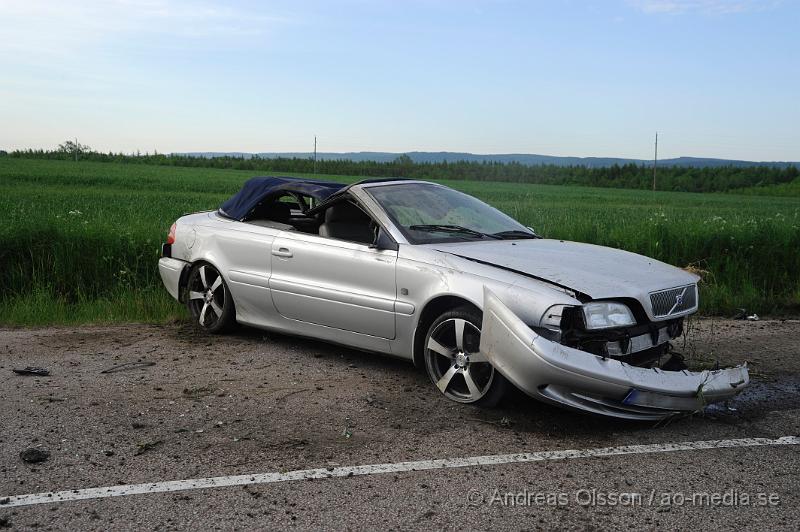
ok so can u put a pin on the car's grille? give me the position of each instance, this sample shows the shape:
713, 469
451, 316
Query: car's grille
674, 300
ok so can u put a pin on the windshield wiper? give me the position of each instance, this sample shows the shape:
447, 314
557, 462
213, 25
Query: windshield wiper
516, 233
456, 229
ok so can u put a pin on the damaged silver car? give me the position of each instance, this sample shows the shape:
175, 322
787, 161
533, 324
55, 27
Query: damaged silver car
426, 273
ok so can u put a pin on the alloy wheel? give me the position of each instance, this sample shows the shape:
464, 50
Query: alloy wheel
207, 296
455, 363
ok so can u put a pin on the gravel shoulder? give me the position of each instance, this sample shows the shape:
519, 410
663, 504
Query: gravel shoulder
259, 402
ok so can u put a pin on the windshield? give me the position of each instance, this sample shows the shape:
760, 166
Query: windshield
429, 213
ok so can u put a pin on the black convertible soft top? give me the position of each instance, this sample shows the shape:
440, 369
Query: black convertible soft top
257, 188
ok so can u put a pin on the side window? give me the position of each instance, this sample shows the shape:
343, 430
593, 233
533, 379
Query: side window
271, 209
346, 221
285, 211
296, 203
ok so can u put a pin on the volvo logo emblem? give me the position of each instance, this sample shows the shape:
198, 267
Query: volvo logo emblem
678, 301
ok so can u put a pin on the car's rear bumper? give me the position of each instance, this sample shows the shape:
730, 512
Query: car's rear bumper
571, 378
171, 271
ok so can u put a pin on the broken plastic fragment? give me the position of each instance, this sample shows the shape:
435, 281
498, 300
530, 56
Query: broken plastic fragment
31, 370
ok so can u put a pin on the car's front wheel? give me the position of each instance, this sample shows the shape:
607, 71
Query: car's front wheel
454, 361
209, 300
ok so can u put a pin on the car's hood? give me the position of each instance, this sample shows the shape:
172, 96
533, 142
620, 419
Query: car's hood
597, 271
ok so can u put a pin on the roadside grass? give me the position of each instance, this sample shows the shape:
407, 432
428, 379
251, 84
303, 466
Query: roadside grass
42, 307
80, 241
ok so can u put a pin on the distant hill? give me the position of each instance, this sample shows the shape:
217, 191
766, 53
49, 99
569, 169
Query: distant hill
522, 158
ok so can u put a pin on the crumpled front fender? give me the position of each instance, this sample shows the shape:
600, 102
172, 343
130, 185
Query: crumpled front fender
571, 378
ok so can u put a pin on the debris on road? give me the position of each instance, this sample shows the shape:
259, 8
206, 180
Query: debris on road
34, 455
32, 370
147, 446
742, 314
51, 399
504, 422
293, 392
129, 366
198, 391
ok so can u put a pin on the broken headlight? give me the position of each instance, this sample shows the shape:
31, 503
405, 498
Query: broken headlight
606, 315
550, 323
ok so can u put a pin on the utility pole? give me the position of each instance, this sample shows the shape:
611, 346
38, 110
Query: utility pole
655, 163
315, 155
76, 149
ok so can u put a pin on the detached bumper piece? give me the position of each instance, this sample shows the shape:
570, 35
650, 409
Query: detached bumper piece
570, 378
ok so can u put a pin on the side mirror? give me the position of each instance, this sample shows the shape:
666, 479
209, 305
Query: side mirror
384, 241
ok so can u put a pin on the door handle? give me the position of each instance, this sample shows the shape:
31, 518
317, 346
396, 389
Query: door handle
282, 252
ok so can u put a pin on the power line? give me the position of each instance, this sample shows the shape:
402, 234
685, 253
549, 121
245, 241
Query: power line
655, 163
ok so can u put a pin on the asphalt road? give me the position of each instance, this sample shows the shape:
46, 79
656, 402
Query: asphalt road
252, 403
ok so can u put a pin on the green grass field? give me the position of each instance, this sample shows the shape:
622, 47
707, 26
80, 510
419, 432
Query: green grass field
79, 242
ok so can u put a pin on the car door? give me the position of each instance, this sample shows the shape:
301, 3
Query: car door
334, 283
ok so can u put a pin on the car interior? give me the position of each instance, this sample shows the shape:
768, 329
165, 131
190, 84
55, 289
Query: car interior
288, 211
346, 221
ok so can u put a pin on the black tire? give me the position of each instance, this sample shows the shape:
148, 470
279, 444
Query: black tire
209, 300
455, 365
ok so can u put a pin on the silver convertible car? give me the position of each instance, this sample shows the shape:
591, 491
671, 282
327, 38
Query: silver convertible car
423, 272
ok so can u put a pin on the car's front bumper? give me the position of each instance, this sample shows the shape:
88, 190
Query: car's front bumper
571, 378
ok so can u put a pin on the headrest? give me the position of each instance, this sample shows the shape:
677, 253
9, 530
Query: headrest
344, 212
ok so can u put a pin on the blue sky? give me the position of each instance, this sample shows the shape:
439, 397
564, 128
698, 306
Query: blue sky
716, 78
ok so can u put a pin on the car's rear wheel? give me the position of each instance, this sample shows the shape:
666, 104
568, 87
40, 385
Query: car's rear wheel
209, 300
454, 361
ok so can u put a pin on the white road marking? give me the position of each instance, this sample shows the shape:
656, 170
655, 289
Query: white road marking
375, 469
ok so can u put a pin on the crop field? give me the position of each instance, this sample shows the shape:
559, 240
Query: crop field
79, 241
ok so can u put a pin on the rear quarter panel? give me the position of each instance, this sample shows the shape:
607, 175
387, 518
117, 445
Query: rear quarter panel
240, 251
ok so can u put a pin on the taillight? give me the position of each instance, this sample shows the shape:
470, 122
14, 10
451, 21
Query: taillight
171, 235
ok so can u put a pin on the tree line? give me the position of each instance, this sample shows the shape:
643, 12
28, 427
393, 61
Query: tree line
635, 176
